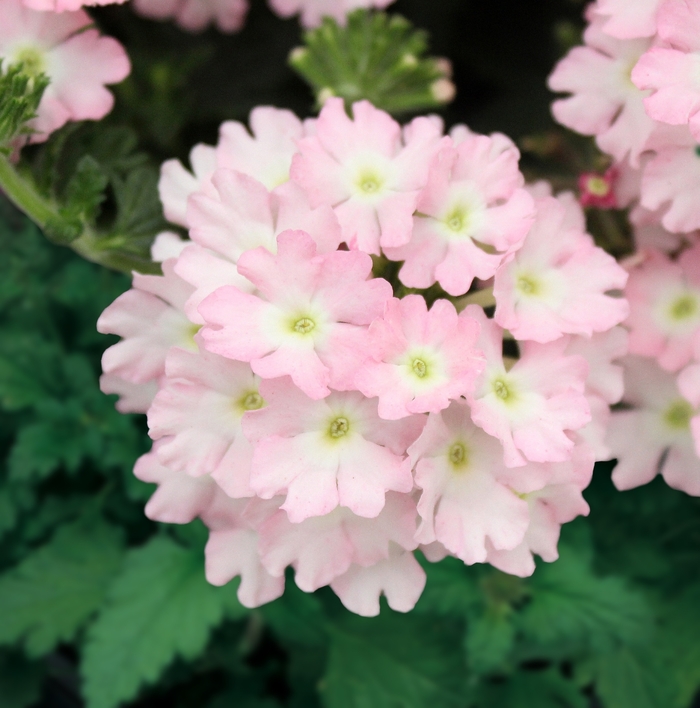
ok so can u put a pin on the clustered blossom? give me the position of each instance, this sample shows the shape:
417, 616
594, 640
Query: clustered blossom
315, 418
64, 46
635, 87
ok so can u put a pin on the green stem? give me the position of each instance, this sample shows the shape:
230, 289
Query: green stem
45, 214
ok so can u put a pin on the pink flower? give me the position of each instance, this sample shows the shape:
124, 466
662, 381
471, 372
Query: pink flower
664, 297
605, 102
196, 15
150, 320
239, 214
558, 281
77, 60
399, 577
326, 453
313, 11
322, 548
689, 386
464, 502
309, 321
233, 548
672, 72
177, 183
420, 359
63, 5
627, 20
658, 423
365, 170
596, 190
197, 414
179, 498
265, 153
473, 198
531, 407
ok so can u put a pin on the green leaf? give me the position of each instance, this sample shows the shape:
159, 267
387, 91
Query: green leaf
531, 689
451, 589
633, 678
20, 94
20, 680
376, 57
296, 618
392, 661
50, 594
572, 610
489, 640
85, 190
160, 607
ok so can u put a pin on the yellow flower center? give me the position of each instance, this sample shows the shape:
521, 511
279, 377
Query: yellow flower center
684, 307
252, 401
678, 415
32, 60
598, 186
339, 427
527, 285
420, 368
458, 456
304, 325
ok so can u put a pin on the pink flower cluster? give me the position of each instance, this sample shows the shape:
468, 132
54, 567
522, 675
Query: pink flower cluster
63, 45
635, 86
317, 416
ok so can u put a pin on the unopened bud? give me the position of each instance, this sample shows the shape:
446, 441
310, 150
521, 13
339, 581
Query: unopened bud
443, 90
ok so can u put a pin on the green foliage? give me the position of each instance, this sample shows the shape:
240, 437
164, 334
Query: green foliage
159, 607
20, 680
393, 660
377, 57
48, 597
20, 94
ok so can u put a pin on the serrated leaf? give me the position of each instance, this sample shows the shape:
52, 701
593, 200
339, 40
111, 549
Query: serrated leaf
633, 678
572, 610
394, 660
159, 607
50, 595
139, 208
20, 680
85, 190
376, 57
531, 689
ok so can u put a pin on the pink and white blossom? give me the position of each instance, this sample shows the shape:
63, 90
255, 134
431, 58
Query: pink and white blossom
628, 20
604, 101
419, 359
78, 61
196, 15
367, 171
322, 454
309, 320
664, 297
473, 197
655, 435
532, 407
558, 282
671, 71
196, 417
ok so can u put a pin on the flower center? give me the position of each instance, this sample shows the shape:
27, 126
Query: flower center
304, 325
457, 220
684, 307
339, 427
678, 415
527, 285
501, 389
458, 455
252, 401
420, 368
32, 60
598, 186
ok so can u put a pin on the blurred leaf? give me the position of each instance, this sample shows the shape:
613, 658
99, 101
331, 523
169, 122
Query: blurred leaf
49, 596
489, 640
20, 680
573, 610
451, 589
158, 608
394, 660
296, 618
376, 57
532, 689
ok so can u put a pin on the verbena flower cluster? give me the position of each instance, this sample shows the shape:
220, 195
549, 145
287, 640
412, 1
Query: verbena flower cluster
322, 387
635, 86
